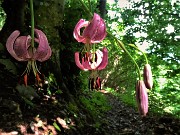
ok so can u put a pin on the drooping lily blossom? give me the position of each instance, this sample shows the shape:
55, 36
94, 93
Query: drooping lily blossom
95, 83
94, 31
97, 61
20, 48
148, 80
142, 97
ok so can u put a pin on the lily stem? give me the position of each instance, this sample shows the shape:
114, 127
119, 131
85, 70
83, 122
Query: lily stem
127, 52
132, 45
94, 53
90, 8
85, 7
32, 23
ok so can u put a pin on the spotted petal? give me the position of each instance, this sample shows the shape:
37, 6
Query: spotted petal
96, 63
96, 30
100, 33
104, 60
82, 23
21, 47
78, 63
43, 51
10, 45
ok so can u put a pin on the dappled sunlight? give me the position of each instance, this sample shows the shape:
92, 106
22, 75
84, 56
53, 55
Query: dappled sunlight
41, 127
62, 123
8, 133
103, 91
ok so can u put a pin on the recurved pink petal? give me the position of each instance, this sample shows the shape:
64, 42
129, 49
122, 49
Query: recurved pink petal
85, 63
96, 63
77, 61
77, 34
49, 53
21, 47
43, 51
91, 30
10, 45
104, 60
98, 83
100, 33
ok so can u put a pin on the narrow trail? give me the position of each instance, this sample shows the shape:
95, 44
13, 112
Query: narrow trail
124, 120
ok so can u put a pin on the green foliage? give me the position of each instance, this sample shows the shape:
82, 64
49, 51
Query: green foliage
52, 86
56, 126
95, 102
127, 97
73, 109
164, 103
121, 73
2, 16
145, 23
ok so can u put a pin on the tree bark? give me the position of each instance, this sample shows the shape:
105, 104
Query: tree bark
49, 18
14, 10
102, 8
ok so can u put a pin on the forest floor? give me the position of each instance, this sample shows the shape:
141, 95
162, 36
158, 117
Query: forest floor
124, 120
120, 120
53, 115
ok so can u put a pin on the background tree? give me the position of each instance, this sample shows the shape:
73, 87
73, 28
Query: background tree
152, 26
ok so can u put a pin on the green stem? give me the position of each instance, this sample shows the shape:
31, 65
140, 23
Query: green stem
32, 23
132, 45
94, 53
85, 7
90, 8
126, 51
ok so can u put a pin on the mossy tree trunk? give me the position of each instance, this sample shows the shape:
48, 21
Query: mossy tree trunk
49, 18
14, 10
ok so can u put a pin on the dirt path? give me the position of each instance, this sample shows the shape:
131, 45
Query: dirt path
124, 120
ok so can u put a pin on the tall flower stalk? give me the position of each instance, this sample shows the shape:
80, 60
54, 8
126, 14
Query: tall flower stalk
32, 23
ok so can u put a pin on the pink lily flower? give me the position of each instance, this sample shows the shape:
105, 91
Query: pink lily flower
20, 48
94, 32
89, 63
142, 98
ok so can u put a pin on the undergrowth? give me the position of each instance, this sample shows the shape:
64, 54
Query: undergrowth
96, 104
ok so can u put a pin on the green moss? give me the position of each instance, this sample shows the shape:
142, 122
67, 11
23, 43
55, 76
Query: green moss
96, 103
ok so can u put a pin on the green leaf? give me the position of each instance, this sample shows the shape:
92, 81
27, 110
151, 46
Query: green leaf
56, 126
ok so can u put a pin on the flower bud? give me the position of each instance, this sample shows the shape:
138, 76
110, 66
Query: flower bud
148, 80
142, 97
